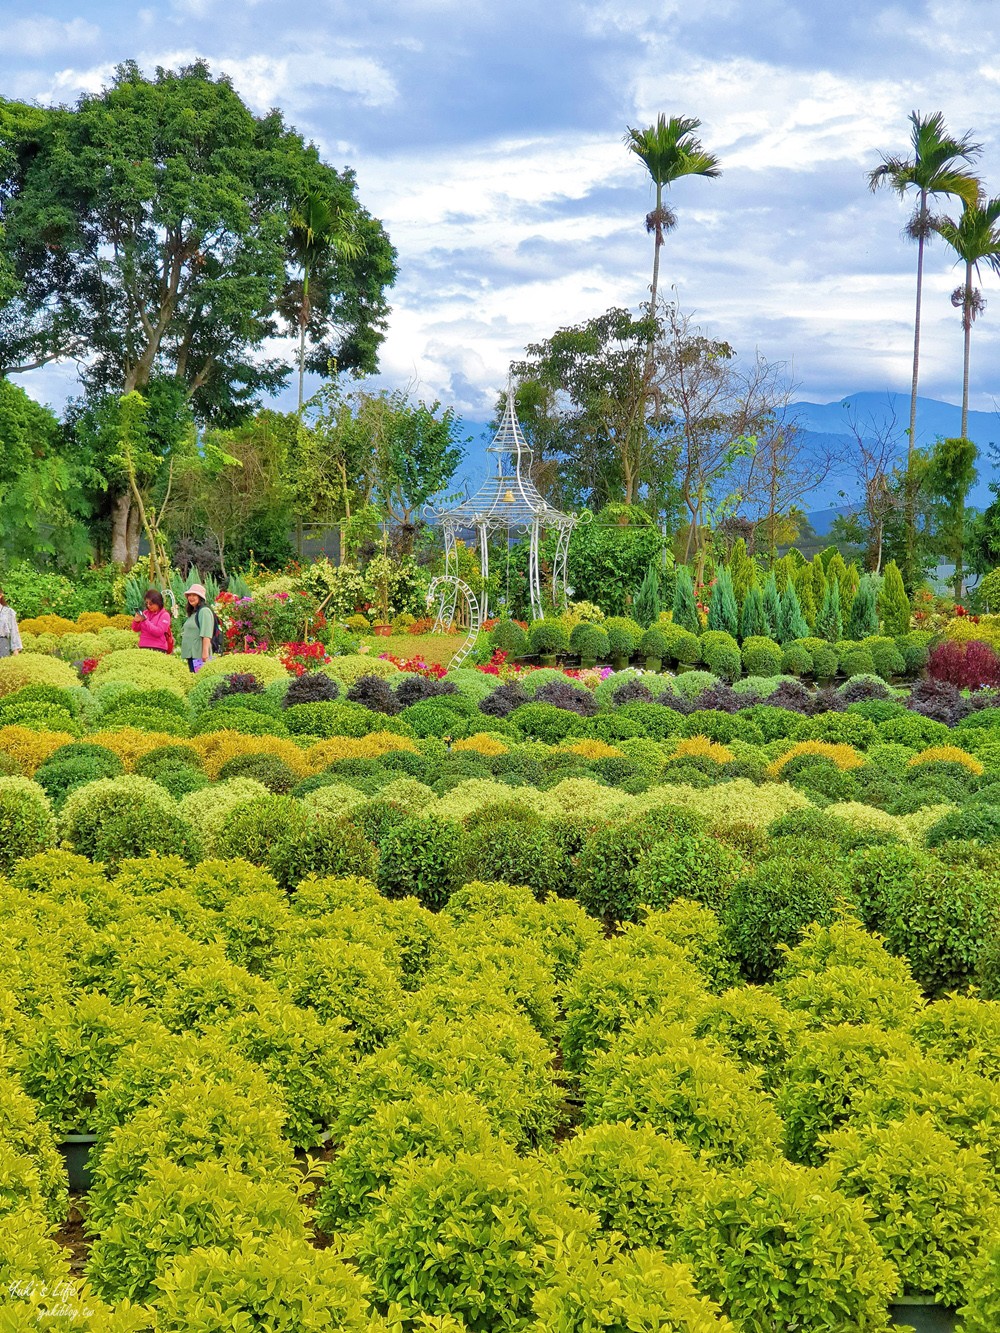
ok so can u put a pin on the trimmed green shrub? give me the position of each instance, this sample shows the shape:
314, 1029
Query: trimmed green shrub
781, 1250
687, 865
761, 657
590, 641
547, 636
753, 1028
178, 1209
682, 646
279, 1282
638, 1182
930, 1201
660, 1075
513, 1213
430, 1124
346, 982
509, 637
116, 818
26, 823
893, 603
423, 858
319, 842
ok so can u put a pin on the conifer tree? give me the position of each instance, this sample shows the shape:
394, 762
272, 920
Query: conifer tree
685, 610
772, 605
862, 622
819, 582
804, 588
646, 607
752, 618
742, 568
791, 622
893, 604
722, 612
829, 624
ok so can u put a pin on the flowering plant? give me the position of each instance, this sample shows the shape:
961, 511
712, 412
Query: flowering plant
87, 666
416, 666
300, 658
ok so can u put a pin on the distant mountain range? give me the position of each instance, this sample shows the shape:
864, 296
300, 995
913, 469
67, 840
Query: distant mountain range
828, 426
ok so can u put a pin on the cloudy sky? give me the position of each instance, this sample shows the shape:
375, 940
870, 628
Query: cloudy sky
487, 136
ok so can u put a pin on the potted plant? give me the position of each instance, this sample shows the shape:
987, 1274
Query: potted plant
382, 628
623, 644
591, 642
653, 646
547, 638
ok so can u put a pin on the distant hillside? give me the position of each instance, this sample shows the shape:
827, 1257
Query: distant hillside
828, 426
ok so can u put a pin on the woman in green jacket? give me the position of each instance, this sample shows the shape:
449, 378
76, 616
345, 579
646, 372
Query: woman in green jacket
196, 636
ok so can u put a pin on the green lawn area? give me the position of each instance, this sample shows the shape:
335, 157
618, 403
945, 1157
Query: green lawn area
431, 647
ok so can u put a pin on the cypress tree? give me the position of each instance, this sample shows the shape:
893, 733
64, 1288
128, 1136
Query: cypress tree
743, 570
772, 605
722, 612
784, 572
804, 588
646, 607
829, 624
685, 610
819, 582
894, 605
752, 619
862, 622
791, 622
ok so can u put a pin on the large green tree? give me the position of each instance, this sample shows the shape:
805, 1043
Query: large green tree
148, 231
975, 238
936, 168
951, 474
610, 437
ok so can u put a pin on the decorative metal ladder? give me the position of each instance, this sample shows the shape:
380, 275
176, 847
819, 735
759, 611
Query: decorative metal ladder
445, 589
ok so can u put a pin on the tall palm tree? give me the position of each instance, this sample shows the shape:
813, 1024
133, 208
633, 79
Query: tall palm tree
316, 231
669, 151
935, 168
975, 238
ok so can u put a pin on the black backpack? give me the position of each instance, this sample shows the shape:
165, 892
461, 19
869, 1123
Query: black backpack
218, 638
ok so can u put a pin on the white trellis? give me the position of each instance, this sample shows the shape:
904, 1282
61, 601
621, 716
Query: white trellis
510, 503
446, 589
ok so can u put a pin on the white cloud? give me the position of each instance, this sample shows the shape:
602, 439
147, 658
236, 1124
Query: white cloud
300, 78
39, 36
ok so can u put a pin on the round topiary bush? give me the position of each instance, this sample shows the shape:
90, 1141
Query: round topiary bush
423, 858
267, 769
278, 1281
687, 865
590, 641
779, 1249
517, 1209
116, 818
547, 637
318, 842
761, 656
26, 823
507, 636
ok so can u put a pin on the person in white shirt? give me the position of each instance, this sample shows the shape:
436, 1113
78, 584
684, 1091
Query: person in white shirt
10, 639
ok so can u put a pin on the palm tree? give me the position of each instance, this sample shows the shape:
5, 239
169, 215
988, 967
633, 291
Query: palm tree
975, 238
934, 169
669, 151
316, 231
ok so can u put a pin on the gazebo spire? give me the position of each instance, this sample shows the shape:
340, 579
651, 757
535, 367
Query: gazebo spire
509, 502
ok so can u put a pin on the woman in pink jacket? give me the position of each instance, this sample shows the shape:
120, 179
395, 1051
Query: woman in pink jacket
154, 624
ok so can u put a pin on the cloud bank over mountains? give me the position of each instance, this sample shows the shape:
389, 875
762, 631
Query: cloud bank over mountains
488, 138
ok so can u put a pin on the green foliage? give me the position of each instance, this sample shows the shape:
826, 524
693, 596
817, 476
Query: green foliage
772, 606
424, 858
792, 623
761, 657
637, 1182
26, 823
862, 623
116, 818
278, 1281
688, 864
510, 638
781, 1250
829, 624
931, 1200
684, 608
722, 611
646, 607
657, 1074
753, 620
893, 603
590, 641
511, 1214
178, 1209
375, 1152
547, 636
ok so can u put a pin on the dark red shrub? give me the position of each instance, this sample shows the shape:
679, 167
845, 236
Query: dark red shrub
969, 666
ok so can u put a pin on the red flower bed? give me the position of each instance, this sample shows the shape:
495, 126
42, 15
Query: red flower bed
416, 666
300, 658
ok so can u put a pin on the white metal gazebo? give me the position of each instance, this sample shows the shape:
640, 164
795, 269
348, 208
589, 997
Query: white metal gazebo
507, 503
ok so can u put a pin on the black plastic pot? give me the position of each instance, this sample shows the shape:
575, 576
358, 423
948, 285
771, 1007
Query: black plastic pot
75, 1149
923, 1314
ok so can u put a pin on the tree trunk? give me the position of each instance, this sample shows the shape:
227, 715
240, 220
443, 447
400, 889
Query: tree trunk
911, 443
132, 531
657, 243
120, 509
967, 323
